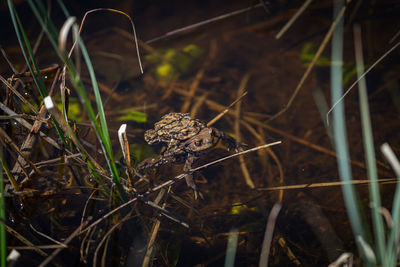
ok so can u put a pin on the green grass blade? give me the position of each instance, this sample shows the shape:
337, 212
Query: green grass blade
368, 141
231, 248
23, 39
100, 109
36, 75
339, 128
101, 130
394, 233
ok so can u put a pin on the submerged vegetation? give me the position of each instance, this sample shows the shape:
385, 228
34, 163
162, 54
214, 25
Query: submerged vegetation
71, 192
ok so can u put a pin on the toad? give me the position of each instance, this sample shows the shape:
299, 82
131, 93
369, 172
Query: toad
186, 140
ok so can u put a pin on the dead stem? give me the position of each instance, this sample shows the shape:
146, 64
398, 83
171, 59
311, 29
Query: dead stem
154, 231
222, 113
218, 107
6, 139
45, 163
124, 143
34, 129
361, 77
311, 145
196, 106
235, 155
48, 237
66, 242
293, 19
86, 205
202, 23
36, 247
271, 153
116, 11
55, 112
15, 91
108, 235
85, 244
172, 181
311, 66
327, 184
24, 240
243, 166
104, 256
288, 251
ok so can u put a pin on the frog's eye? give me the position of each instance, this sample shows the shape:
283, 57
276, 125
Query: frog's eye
197, 143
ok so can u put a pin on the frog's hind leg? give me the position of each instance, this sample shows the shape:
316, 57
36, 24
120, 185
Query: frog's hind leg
189, 178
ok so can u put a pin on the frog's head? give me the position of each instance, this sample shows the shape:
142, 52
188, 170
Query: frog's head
206, 139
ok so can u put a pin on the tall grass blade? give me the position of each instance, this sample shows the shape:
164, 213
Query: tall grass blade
34, 69
368, 141
269, 233
394, 233
101, 129
231, 248
339, 128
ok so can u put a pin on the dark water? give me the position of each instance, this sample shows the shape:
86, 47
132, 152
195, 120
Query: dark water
312, 228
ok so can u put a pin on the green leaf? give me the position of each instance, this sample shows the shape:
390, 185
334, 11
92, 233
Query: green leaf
136, 116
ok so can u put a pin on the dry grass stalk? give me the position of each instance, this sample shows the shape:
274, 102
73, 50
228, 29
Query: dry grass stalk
327, 184
25, 241
311, 66
55, 112
123, 141
173, 181
66, 242
271, 153
250, 119
243, 167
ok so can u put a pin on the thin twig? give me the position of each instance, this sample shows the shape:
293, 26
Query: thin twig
154, 231
211, 122
116, 11
18, 94
202, 23
235, 155
66, 242
311, 66
293, 19
108, 235
361, 77
48, 237
17, 235
255, 121
311, 145
174, 180
326, 184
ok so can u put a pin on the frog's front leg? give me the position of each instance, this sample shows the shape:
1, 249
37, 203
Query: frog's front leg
151, 163
189, 177
230, 142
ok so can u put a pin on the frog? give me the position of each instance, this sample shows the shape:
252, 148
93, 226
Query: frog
186, 140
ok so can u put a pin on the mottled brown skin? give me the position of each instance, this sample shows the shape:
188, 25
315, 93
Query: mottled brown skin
186, 140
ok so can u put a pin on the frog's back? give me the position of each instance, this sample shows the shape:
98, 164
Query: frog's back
173, 126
